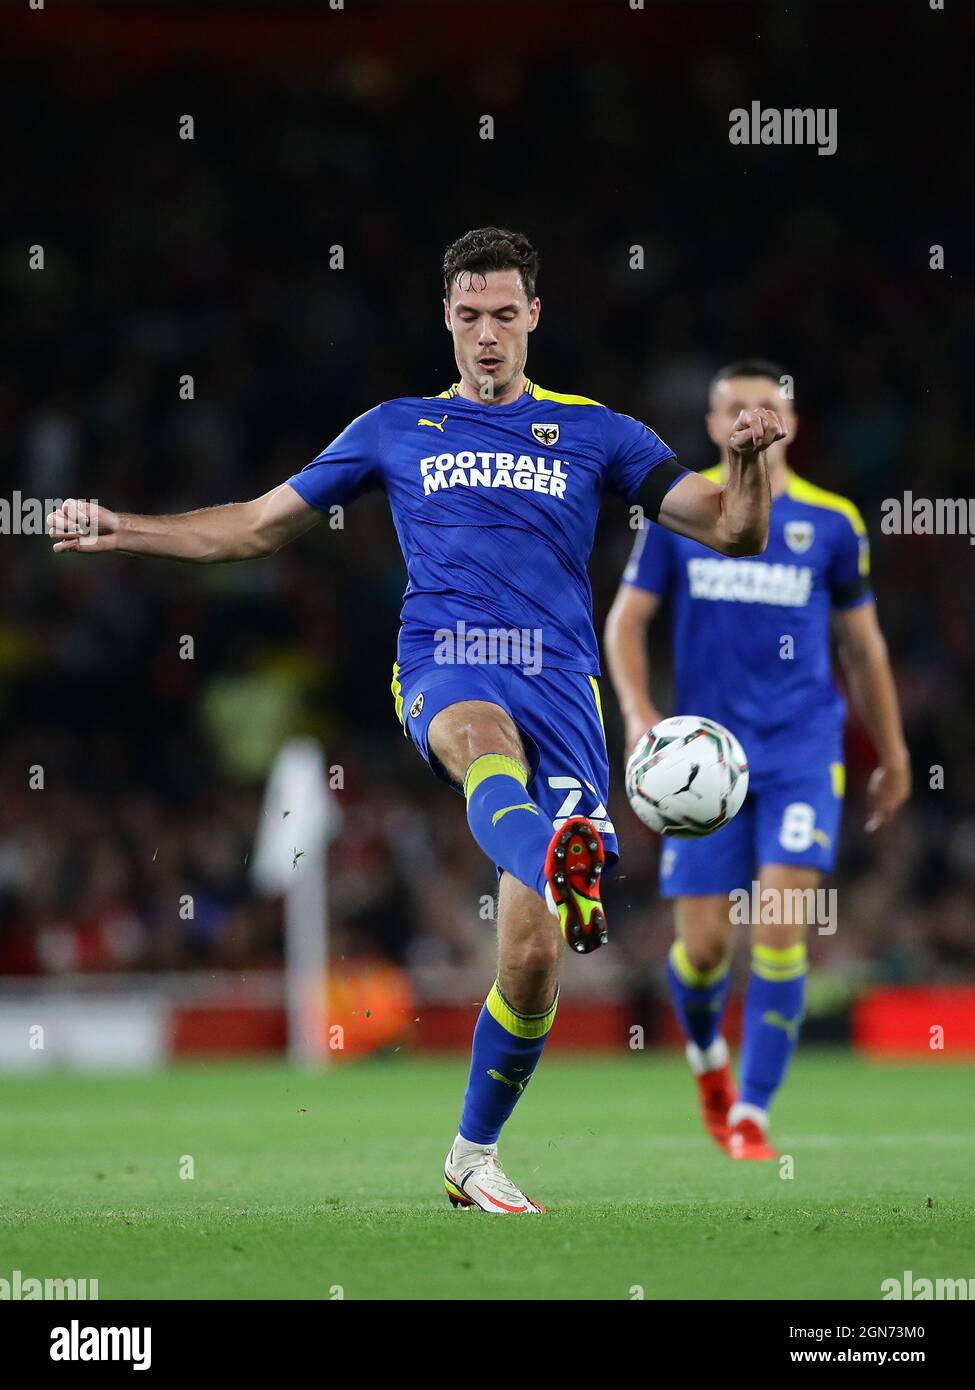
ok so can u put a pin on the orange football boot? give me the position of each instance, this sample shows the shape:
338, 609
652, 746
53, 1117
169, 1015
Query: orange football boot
717, 1092
747, 1140
573, 866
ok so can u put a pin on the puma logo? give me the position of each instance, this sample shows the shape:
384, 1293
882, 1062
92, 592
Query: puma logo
515, 1085
434, 424
695, 769
790, 1026
524, 806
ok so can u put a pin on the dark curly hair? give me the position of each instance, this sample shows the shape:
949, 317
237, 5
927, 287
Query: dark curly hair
491, 248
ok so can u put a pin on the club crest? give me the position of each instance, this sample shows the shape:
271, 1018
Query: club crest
799, 536
546, 434
416, 706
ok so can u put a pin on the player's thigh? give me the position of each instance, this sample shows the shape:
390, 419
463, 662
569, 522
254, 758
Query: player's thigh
712, 865
798, 816
703, 924
468, 729
558, 714
797, 830
789, 903
529, 947
700, 876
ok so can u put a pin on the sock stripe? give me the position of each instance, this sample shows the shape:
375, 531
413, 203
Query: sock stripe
492, 765
772, 1019
521, 1025
776, 955
779, 963
692, 977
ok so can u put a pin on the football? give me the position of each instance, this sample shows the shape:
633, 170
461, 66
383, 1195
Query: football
687, 776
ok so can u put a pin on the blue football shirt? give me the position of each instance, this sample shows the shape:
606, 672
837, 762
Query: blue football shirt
495, 508
751, 636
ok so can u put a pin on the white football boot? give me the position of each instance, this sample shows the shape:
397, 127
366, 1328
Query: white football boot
473, 1177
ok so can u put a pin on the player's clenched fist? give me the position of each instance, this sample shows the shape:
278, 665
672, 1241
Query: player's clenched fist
754, 431
79, 525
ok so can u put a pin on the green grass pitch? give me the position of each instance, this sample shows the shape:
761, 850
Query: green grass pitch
305, 1185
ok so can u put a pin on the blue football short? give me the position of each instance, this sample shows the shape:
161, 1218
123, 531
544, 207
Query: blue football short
558, 715
788, 817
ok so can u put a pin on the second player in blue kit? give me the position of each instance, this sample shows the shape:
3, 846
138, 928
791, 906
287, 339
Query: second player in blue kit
751, 640
751, 650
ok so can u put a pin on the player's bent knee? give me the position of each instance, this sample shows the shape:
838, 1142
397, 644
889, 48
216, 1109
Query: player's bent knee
535, 957
779, 935
528, 972
704, 926
707, 953
530, 949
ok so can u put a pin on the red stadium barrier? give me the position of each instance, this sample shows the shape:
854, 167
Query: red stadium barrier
234, 1030
894, 1023
198, 1030
578, 1027
900, 1022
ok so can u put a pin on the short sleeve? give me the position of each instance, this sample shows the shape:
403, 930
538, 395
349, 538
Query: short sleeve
651, 563
632, 452
849, 570
347, 467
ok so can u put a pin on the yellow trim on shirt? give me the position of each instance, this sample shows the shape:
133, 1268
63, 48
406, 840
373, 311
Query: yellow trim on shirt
540, 394
537, 393
800, 491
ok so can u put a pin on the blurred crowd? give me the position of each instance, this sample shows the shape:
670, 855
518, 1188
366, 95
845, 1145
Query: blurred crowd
132, 762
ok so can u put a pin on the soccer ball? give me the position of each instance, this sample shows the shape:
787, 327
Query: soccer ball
687, 776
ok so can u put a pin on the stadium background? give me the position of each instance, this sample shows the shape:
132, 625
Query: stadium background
359, 128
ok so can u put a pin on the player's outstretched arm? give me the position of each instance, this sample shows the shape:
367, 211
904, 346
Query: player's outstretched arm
732, 519
863, 654
238, 531
625, 643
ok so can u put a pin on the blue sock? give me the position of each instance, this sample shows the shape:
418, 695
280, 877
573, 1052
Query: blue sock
699, 996
505, 822
773, 1013
505, 1052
